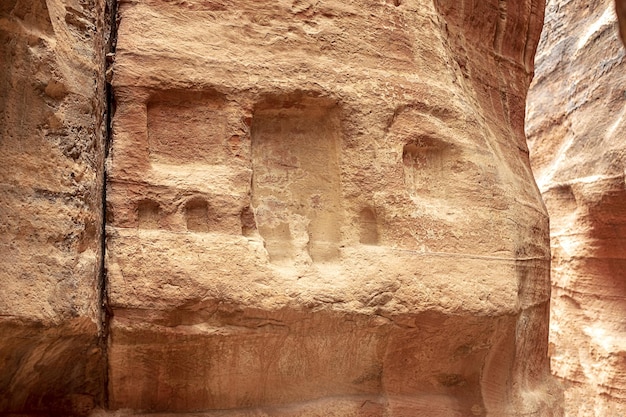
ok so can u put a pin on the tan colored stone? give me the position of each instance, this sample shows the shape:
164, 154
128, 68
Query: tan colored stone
326, 206
575, 125
51, 180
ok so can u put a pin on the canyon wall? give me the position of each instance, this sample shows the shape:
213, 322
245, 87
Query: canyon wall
52, 106
576, 128
326, 208
312, 209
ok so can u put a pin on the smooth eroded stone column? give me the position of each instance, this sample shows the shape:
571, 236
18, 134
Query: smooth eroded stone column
52, 106
576, 129
326, 208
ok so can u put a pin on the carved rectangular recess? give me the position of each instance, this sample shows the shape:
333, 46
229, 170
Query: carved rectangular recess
426, 162
296, 180
187, 127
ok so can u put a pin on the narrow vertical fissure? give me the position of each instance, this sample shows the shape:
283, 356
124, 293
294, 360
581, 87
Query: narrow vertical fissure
110, 41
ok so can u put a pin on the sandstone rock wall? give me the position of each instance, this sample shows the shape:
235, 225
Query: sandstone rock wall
576, 131
52, 106
326, 208
313, 209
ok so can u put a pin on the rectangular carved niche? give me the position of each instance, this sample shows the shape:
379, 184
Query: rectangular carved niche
187, 127
427, 165
296, 180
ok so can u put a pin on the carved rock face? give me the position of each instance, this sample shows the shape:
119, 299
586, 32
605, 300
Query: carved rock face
326, 207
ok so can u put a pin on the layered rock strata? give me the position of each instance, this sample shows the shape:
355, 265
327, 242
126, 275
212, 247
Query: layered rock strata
52, 106
576, 130
326, 208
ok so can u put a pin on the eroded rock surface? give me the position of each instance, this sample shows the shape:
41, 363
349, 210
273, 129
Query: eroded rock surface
620, 9
326, 208
51, 176
576, 130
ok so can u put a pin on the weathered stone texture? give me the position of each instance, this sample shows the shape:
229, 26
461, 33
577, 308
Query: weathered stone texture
576, 131
620, 9
326, 207
51, 176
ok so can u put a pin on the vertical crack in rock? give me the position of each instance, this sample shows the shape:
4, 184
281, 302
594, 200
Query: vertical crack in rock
110, 38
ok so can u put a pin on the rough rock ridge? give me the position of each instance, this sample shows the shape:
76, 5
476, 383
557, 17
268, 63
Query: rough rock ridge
326, 208
52, 123
576, 129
